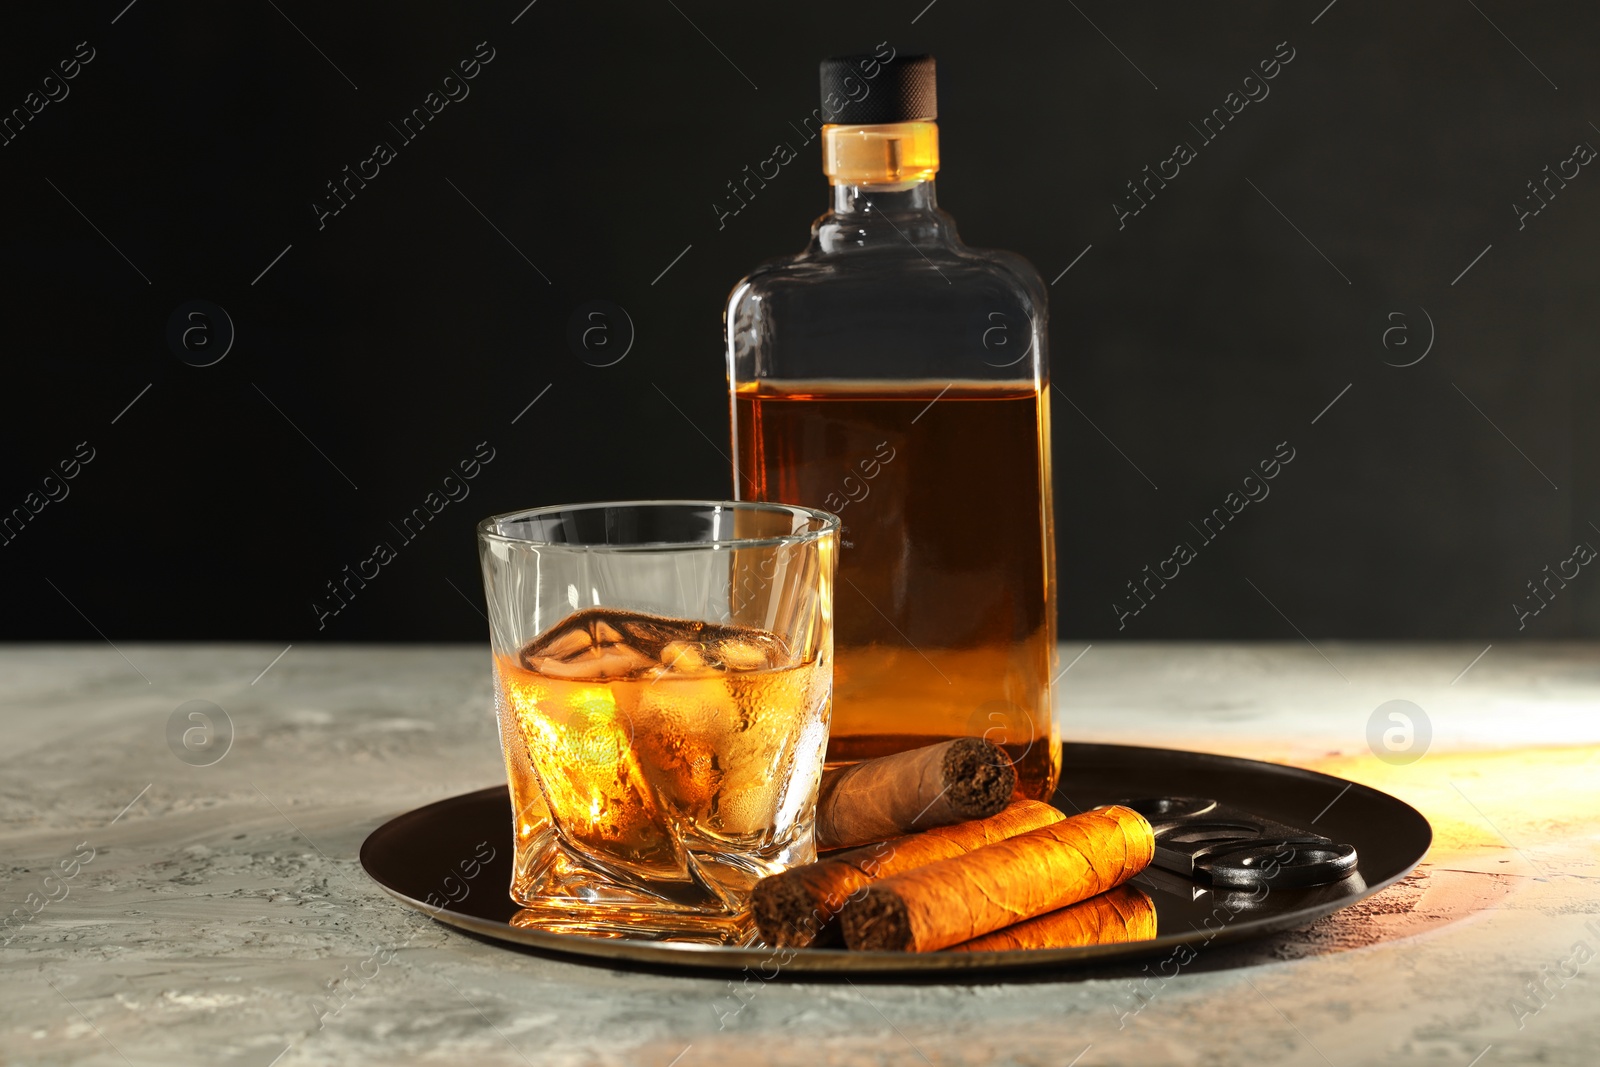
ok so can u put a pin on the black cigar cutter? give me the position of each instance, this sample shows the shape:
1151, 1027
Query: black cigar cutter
1230, 848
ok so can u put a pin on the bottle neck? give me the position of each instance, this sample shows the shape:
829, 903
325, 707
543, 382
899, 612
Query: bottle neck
859, 201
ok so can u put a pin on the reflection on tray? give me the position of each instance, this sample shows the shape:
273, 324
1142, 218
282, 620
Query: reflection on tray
1122, 915
624, 924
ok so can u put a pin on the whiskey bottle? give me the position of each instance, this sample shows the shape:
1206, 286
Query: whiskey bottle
894, 376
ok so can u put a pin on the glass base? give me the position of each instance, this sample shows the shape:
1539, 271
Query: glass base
563, 891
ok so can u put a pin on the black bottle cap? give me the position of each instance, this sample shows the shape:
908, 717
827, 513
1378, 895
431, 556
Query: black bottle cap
868, 90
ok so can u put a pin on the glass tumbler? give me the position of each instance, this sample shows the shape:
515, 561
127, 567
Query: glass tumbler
663, 680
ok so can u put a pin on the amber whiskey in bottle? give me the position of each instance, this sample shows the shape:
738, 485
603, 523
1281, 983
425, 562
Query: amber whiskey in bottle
898, 378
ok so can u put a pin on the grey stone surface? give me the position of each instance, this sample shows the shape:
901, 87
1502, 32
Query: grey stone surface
223, 906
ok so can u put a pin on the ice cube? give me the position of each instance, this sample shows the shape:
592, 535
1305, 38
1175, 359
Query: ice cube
747, 652
684, 656
604, 643
594, 644
596, 662
650, 633
688, 730
559, 642
604, 633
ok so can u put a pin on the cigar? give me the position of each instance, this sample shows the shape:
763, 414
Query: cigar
989, 888
955, 781
799, 907
1119, 915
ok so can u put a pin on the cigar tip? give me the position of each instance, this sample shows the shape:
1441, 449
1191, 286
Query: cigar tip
878, 922
982, 775
785, 914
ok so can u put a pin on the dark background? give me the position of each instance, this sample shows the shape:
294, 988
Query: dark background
378, 351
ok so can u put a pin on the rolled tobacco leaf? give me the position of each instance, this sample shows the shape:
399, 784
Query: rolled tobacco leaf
989, 888
798, 908
1120, 915
951, 782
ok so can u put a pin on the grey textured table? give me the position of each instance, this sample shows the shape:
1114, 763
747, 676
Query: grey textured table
217, 914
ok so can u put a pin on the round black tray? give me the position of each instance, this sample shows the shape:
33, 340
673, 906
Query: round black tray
425, 858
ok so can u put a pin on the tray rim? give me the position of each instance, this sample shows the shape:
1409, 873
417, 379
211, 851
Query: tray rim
845, 962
